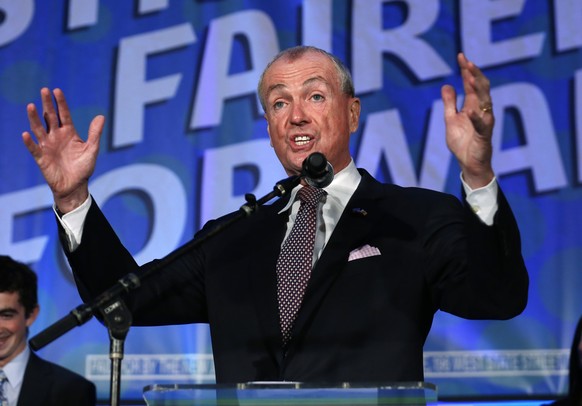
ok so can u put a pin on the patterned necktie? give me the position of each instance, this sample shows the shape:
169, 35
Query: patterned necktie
295, 259
3, 379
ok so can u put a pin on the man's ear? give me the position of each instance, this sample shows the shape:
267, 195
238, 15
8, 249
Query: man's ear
354, 112
33, 315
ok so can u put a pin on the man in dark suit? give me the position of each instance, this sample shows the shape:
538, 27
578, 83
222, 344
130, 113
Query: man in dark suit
384, 259
30, 379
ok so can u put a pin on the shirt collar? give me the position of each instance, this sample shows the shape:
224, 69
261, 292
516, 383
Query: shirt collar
341, 188
14, 370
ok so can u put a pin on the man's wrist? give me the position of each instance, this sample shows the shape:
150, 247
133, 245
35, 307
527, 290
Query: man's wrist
483, 200
73, 222
67, 204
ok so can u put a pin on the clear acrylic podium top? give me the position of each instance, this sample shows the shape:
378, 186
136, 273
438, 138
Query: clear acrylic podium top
291, 394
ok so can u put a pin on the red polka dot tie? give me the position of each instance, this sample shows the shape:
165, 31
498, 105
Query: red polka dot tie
295, 259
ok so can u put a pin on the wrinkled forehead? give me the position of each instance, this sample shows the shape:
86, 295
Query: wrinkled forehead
305, 69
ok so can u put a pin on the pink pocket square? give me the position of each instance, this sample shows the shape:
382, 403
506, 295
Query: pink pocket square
364, 251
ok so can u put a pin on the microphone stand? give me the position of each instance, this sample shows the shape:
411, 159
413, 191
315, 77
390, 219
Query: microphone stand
116, 315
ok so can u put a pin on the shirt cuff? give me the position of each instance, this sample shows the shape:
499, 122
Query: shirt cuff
483, 200
73, 223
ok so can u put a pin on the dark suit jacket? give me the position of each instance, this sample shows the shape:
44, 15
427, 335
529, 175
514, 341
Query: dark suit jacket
49, 384
364, 320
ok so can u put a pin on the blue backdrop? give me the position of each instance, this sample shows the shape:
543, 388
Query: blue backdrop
185, 140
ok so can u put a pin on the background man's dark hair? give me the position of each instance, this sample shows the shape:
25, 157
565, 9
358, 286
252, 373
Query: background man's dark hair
18, 277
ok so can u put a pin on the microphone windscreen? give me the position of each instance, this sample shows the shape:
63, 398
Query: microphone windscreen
315, 165
317, 171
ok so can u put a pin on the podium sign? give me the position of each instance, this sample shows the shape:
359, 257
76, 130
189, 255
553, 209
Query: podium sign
291, 394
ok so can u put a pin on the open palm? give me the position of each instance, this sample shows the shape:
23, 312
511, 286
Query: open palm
65, 160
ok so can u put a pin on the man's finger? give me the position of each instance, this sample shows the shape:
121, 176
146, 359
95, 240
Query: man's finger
48, 108
30, 144
449, 97
63, 109
34, 120
95, 130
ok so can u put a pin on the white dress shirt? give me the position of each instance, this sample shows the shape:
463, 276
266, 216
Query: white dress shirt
14, 371
338, 194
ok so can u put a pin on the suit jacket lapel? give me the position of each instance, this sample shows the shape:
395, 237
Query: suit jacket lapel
35, 383
352, 230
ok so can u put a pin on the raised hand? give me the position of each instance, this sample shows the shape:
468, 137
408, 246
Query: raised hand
65, 160
469, 131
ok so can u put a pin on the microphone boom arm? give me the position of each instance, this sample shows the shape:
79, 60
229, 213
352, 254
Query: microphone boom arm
84, 312
116, 315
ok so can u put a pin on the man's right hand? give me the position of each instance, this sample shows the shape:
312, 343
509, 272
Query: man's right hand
65, 160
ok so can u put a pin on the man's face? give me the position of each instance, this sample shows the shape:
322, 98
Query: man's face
307, 112
13, 326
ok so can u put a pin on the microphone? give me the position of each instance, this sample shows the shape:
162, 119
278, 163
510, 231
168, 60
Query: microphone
317, 171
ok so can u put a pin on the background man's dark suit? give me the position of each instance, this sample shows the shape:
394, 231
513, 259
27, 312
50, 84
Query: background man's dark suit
48, 384
361, 320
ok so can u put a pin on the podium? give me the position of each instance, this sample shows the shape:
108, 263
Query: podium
291, 394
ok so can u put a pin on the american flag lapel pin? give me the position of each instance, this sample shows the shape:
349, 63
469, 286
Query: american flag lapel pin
356, 211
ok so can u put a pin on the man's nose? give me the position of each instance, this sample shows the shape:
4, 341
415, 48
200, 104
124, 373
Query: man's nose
298, 114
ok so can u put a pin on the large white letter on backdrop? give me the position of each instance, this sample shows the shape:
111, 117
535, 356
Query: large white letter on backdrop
477, 18
82, 13
371, 41
539, 152
217, 197
384, 137
17, 18
215, 84
17, 204
166, 194
316, 27
578, 120
567, 24
132, 91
